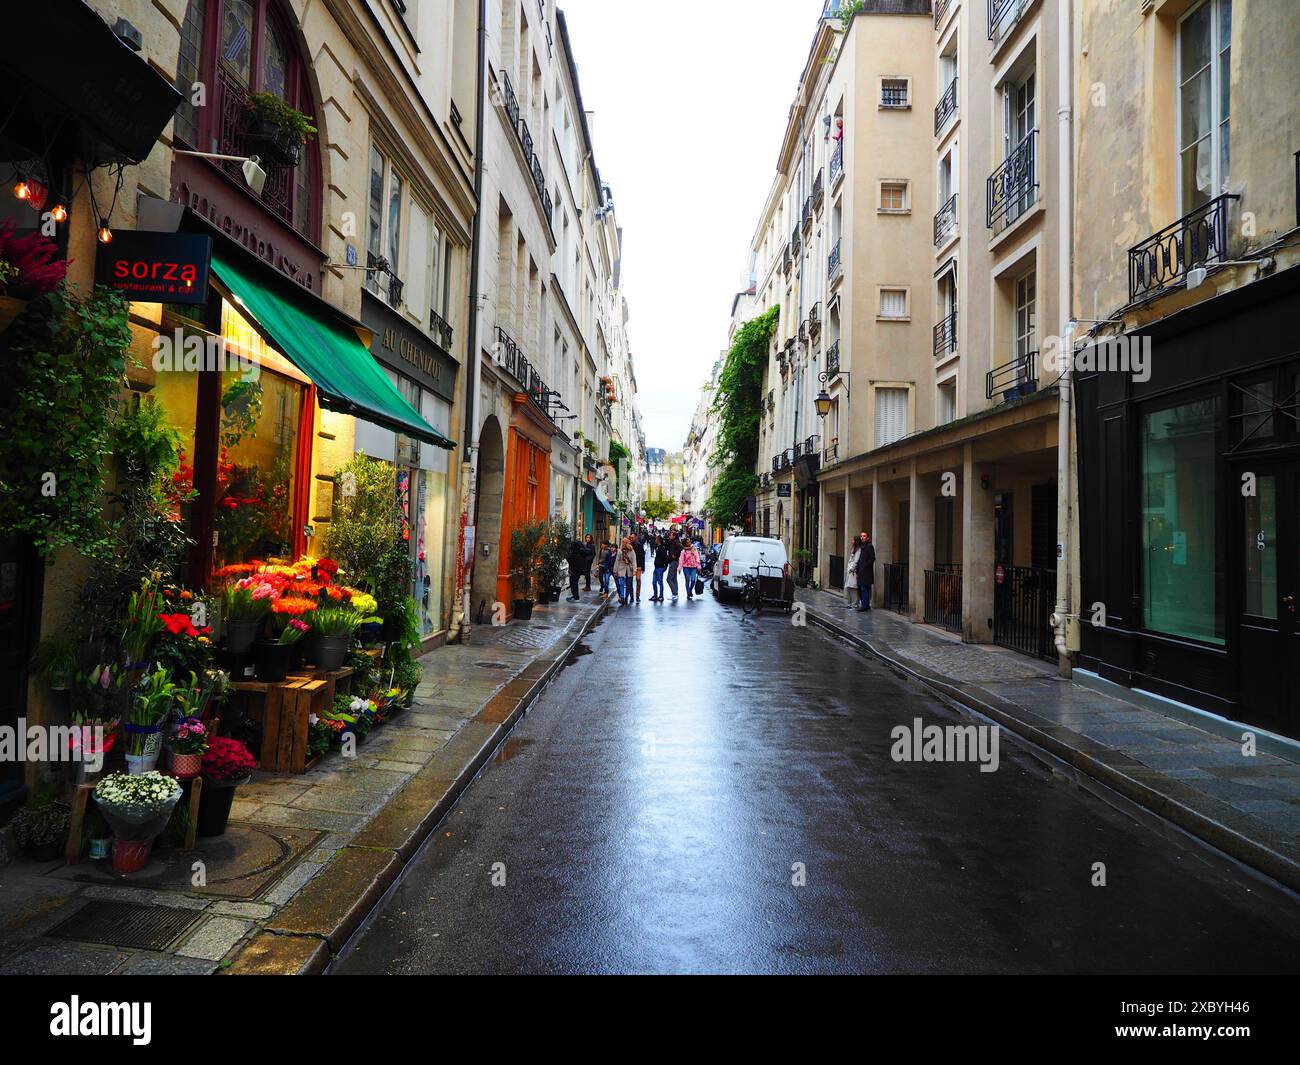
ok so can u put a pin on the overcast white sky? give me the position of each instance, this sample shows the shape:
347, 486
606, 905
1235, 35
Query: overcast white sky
690, 103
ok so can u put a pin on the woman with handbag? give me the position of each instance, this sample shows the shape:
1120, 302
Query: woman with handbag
625, 572
690, 566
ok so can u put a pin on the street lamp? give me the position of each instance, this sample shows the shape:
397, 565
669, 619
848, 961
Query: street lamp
823, 400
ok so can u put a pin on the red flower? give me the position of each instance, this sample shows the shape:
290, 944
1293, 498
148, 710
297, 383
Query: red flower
227, 761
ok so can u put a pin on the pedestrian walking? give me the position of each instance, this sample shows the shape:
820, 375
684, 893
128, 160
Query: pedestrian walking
607, 554
625, 571
674, 557
690, 564
589, 556
851, 577
864, 569
661, 566
639, 546
578, 558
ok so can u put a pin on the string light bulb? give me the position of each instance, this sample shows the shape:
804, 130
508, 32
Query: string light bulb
23, 191
59, 213
105, 234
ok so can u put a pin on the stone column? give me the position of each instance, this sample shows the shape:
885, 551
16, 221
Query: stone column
977, 583
923, 489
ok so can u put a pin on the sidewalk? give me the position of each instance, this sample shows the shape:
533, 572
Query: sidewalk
305, 857
1248, 807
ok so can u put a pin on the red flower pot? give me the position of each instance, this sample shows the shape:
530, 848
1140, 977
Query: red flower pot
185, 766
131, 855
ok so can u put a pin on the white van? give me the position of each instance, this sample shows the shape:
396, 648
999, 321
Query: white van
742, 556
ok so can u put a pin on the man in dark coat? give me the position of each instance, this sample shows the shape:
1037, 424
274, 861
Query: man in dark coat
864, 568
579, 563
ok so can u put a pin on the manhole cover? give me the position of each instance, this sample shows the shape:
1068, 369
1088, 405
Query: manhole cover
126, 924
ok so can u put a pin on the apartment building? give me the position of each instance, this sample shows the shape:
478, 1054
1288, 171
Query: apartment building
701, 442
551, 320
1186, 263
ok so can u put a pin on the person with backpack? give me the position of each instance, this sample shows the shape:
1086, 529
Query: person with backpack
625, 571
661, 560
579, 562
607, 554
674, 556
690, 565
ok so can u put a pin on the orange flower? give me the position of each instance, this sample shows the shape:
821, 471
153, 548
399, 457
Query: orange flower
293, 606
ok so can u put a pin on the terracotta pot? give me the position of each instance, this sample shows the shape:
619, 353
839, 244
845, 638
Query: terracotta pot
185, 766
131, 855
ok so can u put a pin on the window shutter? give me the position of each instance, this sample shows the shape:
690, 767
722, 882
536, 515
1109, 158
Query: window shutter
891, 415
893, 303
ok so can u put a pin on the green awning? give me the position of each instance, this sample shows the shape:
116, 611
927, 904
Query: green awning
330, 353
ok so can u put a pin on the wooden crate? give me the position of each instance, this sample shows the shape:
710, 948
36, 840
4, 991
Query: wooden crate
283, 710
338, 681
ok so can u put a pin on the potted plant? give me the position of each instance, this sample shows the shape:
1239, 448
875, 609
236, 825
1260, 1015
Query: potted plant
54, 661
555, 552
226, 764
143, 624
245, 604
41, 829
137, 808
335, 627
276, 132
272, 656
143, 725
189, 744
525, 545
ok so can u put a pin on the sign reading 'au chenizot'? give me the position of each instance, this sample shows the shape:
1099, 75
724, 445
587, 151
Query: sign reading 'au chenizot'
406, 350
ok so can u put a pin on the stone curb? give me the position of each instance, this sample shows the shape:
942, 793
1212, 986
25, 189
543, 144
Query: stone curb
302, 937
1210, 820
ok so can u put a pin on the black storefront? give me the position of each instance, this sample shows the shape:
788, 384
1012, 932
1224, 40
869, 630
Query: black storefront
1189, 496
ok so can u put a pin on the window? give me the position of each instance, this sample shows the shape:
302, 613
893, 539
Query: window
1026, 315
947, 402
893, 303
891, 415
894, 92
893, 196
1182, 580
1204, 83
384, 228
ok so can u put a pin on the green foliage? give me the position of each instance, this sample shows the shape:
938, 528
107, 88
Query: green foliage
54, 661
739, 405
846, 11
555, 550
525, 551
270, 108
618, 451
660, 509
365, 537
65, 357
41, 823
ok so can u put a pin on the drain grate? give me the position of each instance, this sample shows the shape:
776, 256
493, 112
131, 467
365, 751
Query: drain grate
126, 924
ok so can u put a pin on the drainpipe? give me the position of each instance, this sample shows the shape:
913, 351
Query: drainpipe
1064, 480
474, 375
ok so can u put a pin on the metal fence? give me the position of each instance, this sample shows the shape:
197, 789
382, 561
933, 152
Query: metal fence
1022, 605
943, 599
896, 594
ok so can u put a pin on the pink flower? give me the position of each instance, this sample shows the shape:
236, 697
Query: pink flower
263, 591
105, 678
301, 626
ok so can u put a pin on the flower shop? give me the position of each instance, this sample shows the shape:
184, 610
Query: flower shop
194, 628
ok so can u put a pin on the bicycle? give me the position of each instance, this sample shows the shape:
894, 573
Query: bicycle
751, 594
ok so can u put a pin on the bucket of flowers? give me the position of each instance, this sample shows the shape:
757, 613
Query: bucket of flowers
273, 656
335, 627
322, 734
144, 720
226, 765
244, 605
137, 809
189, 744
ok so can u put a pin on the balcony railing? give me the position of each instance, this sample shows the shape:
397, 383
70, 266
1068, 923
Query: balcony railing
441, 330
940, 9
1013, 187
787, 260
946, 107
833, 359
278, 193
1013, 379
1003, 16
814, 320
511, 357
377, 265
525, 135
1163, 259
837, 161
945, 222
945, 335
776, 463
834, 267
808, 213
819, 188
796, 241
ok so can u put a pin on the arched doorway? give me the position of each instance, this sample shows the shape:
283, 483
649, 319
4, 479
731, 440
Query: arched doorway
487, 518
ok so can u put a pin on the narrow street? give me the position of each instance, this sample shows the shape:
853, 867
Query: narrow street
652, 810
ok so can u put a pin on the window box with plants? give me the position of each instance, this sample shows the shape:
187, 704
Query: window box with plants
275, 132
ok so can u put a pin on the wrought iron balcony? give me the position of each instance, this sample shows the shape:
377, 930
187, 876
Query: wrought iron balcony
831, 453
796, 241
946, 107
945, 335
837, 161
834, 267
833, 359
814, 320
1013, 187
525, 135
1003, 16
1013, 379
441, 330
819, 189
945, 222
803, 331
776, 463
940, 9
390, 283
1163, 259
787, 260
807, 213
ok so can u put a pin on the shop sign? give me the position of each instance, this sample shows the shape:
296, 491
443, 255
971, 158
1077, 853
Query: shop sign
406, 350
783, 490
156, 267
